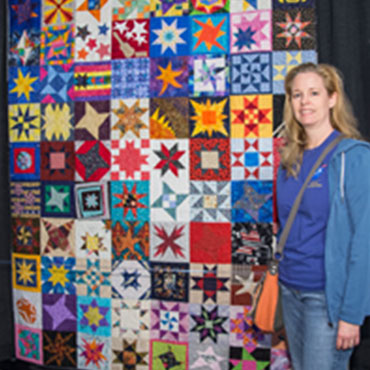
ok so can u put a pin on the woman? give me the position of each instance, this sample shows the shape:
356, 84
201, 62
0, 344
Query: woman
325, 270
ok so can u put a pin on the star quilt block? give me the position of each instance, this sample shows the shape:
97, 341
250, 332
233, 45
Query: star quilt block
210, 242
93, 160
210, 34
92, 200
24, 47
250, 31
251, 73
130, 39
210, 159
130, 9
237, 6
131, 280
93, 351
57, 199
209, 75
57, 122
245, 357
130, 353
24, 85
28, 344
291, 4
27, 308
169, 321
169, 76
169, 36
57, 13
92, 81
24, 14
24, 161
59, 312
25, 235
25, 199
208, 7
57, 237
26, 272
251, 116
165, 8
170, 281
24, 123
131, 78
165, 354
129, 119
208, 355
59, 348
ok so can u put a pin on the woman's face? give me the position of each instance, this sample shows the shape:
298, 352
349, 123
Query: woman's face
310, 100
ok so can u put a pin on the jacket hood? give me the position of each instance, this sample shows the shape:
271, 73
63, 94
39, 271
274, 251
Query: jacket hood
347, 144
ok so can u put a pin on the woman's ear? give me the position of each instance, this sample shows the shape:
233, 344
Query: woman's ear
333, 100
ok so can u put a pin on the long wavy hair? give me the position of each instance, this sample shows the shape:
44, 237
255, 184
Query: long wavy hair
341, 115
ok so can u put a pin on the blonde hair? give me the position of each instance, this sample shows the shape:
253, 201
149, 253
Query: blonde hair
341, 115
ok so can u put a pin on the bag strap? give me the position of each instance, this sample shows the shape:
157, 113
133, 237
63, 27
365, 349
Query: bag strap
298, 199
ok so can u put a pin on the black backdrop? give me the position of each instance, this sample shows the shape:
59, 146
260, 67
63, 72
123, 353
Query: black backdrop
343, 40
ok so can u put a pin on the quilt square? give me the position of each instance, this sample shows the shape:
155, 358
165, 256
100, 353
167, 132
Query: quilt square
169, 321
131, 78
24, 47
209, 7
169, 242
209, 75
57, 45
210, 284
93, 351
26, 272
130, 9
284, 61
169, 76
57, 237
289, 4
24, 161
130, 353
25, 199
251, 201
294, 29
251, 116
57, 13
170, 281
166, 354
131, 280
93, 240
26, 235
210, 242
56, 83
130, 39
24, 122
57, 199
59, 348
169, 36
237, 6
130, 200
130, 159
210, 159
24, 85
59, 312
24, 14
130, 240
28, 344
250, 31
130, 119
169, 118
93, 160
92, 200
92, 81
211, 355
209, 117
27, 308
93, 278
130, 319
164, 8
246, 357
210, 34
92, 120
210, 201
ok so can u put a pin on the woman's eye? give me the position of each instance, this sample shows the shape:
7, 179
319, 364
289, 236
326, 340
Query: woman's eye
295, 96
315, 93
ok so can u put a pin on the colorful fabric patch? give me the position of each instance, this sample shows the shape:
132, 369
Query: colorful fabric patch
95, 9
24, 122
208, 7
244, 357
251, 73
170, 281
24, 47
210, 34
24, 161
130, 353
59, 348
169, 36
280, 359
289, 4
57, 199
24, 85
57, 13
169, 76
130, 39
164, 8
131, 78
26, 235
93, 351
131, 280
250, 31
130, 9
24, 14
28, 344
25, 199
210, 242
165, 354
237, 6
210, 159
27, 308
209, 75
26, 272
59, 312
208, 355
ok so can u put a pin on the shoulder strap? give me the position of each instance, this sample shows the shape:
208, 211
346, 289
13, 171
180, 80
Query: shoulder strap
298, 199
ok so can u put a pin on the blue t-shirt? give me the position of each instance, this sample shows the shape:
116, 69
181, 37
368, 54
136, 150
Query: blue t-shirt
302, 266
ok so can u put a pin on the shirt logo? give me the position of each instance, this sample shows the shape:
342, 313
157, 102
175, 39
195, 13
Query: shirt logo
315, 181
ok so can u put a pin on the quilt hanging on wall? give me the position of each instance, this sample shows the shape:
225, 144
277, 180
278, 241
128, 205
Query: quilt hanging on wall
142, 166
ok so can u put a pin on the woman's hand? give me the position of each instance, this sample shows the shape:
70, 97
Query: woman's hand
348, 335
